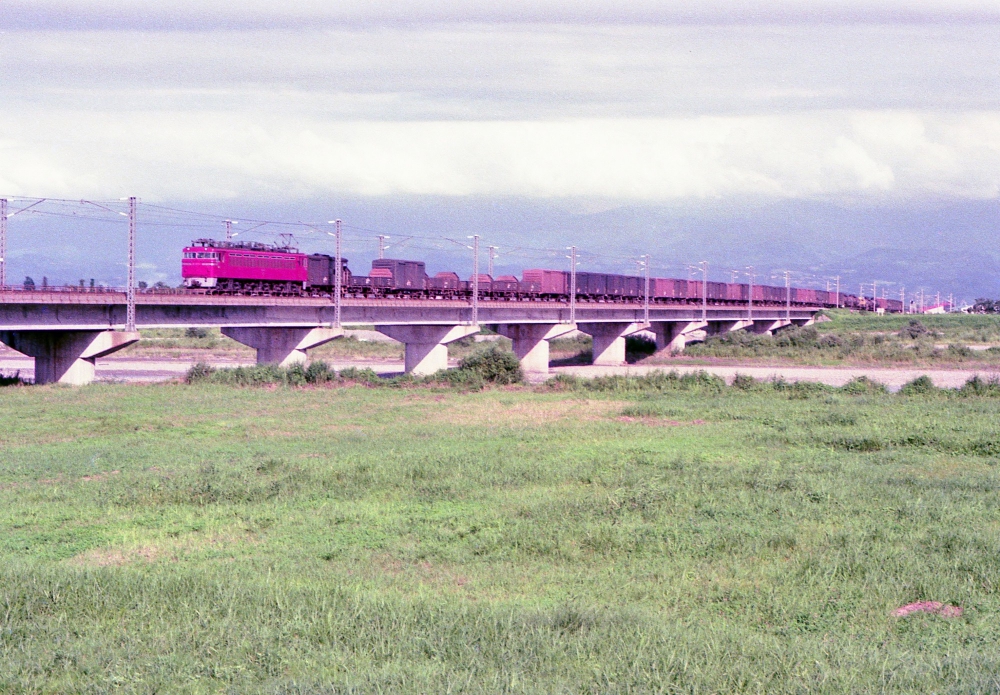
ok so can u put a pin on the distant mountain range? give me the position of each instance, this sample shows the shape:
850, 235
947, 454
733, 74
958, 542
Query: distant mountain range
941, 247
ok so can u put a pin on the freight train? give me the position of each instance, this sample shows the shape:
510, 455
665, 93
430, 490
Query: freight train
225, 267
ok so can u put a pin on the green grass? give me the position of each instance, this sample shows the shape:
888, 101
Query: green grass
659, 535
862, 339
949, 328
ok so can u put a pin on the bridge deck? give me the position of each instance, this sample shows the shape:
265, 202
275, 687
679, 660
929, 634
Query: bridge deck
42, 310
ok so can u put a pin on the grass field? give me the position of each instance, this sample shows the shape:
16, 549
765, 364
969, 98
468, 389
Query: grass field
616, 536
862, 339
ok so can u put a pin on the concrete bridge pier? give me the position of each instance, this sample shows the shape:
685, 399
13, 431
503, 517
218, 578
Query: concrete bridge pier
723, 327
769, 326
531, 342
281, 346
67, 357
426, 345
609, 340
672, 336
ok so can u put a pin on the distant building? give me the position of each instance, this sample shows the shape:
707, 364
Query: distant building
942, 308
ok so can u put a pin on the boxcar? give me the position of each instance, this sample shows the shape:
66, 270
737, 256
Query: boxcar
591, 284
661, 288
321, 270
505, 285
485, 282
444, 282
635, 286
406, 275
549, 282
717, 292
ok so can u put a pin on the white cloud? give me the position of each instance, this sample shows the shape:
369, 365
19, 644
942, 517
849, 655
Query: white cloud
605, 111
266, 13
816, 155
487, 72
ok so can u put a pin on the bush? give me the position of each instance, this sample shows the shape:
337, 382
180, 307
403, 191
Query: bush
262, 374
362, 376
797, 337
494, 365
466, 379
319, 372
977, 386
199, 372
196, 332
919, 386
914, 329
655, 381
863, 385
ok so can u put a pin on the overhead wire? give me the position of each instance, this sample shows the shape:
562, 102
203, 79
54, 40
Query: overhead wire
168, 217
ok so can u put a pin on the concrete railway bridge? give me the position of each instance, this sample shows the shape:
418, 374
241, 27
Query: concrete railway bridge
65, 332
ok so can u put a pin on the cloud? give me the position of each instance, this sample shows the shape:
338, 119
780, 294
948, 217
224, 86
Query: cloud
603, 111
206, 14
840, 155
506, 72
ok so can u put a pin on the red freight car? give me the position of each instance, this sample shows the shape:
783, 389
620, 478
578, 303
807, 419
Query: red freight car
550, 283
506, 286
406, 275
485, 283
444, 283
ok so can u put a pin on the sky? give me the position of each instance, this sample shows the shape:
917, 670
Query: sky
824, 138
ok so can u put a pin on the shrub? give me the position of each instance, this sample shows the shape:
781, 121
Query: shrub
977, 386
797, 337
744, 382
914, 329
863, 385
199, 372
196, 332
799, 389
919, 386
257, 375
655, 381
262, 374
461, 378
363, 376
494, 365
319, 372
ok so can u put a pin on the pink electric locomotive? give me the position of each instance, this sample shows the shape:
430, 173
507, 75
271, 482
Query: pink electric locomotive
252, 268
